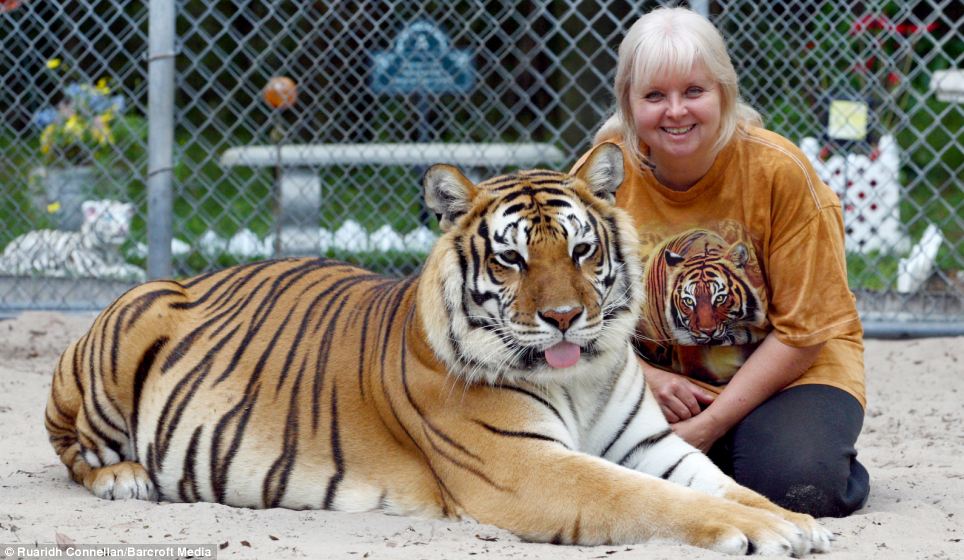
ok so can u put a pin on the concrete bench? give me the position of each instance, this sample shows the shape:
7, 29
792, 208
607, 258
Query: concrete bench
949, 85
299, 186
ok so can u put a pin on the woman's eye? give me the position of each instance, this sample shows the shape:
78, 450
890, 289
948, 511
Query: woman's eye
653, 96
581, 250
694, 91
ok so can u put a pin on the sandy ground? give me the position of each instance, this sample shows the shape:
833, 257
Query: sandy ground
912, 443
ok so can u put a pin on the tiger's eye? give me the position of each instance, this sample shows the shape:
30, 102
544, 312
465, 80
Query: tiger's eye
510, 258
581, 250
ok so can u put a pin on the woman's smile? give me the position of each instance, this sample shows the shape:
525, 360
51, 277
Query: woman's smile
679, 131
677, 119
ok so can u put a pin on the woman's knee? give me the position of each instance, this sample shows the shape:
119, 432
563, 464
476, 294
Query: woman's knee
815, 488
798, 450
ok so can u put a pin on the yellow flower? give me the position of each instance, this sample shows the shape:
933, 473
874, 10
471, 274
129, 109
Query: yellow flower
102, 87
47, 138
53, 207
53, 63
74, 126
100, 129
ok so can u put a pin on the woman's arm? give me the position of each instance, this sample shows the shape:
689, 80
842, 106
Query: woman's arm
771, 367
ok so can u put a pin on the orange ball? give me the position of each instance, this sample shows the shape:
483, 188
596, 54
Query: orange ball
9, 5
280, 93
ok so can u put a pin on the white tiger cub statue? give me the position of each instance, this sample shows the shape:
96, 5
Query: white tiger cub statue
92, 252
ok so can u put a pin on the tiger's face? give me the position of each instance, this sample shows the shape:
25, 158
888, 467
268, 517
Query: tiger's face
711, 300
541, 274
108, 221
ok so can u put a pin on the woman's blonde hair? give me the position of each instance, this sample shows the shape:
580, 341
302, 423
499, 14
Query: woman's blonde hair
671, 41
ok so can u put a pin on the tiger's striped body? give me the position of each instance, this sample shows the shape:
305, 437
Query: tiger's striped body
311, 384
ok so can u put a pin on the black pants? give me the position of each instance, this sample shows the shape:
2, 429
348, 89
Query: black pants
797, 449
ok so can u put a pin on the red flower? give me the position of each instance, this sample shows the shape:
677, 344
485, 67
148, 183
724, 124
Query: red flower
870, 22
866, 65
893, 78
811, 45
910, 29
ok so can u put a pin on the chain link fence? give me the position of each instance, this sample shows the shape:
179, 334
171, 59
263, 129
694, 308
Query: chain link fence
303, 128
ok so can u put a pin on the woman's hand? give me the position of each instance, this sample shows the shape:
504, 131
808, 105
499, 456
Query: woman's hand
699, 431
678, 397
770, 368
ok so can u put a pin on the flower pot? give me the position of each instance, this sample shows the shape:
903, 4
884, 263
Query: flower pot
64, 189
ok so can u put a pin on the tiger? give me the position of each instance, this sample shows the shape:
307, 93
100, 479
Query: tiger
498, 384
705, 302
92, 252
713, 289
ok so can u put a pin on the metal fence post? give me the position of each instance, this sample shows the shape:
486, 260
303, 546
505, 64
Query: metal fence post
527, 73
701, 7
160, 137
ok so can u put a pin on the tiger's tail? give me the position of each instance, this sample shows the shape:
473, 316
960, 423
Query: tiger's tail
64, 406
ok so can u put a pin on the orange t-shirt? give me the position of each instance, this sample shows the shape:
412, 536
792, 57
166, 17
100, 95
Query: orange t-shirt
755, 246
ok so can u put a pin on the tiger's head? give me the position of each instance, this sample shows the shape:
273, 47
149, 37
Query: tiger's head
712, 301
106, 222
537, 276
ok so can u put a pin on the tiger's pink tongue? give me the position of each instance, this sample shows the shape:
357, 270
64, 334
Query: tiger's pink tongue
562, 355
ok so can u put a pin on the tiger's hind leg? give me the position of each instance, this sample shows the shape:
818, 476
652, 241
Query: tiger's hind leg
97, 454
100, 469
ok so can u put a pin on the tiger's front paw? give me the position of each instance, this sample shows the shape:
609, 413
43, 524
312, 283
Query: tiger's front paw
745, 530
121, 481
819, 535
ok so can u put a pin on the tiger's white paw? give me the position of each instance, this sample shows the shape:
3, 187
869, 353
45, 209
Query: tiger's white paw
121, 481
757, 532
821, 539
818, 536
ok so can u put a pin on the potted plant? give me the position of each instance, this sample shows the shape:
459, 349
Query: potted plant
72, 133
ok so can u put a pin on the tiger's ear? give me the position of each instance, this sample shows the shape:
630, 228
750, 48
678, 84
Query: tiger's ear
448, 193
603, 170
91, 209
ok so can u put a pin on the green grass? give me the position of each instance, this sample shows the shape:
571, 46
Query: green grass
873, 271
225, 200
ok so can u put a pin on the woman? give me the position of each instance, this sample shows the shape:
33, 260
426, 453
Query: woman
750, 338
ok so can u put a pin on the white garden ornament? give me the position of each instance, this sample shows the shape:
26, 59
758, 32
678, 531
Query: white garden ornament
869, 192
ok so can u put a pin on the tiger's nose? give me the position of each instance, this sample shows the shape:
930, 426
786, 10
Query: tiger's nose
561, 317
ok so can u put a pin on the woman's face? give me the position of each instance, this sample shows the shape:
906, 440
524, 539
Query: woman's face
678, 117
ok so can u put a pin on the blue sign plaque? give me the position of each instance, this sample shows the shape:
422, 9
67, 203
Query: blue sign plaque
422, 60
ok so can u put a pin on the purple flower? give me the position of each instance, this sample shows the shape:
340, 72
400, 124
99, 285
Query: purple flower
42, 118
73, 90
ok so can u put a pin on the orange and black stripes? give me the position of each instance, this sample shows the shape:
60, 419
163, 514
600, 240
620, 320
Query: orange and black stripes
309, 383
